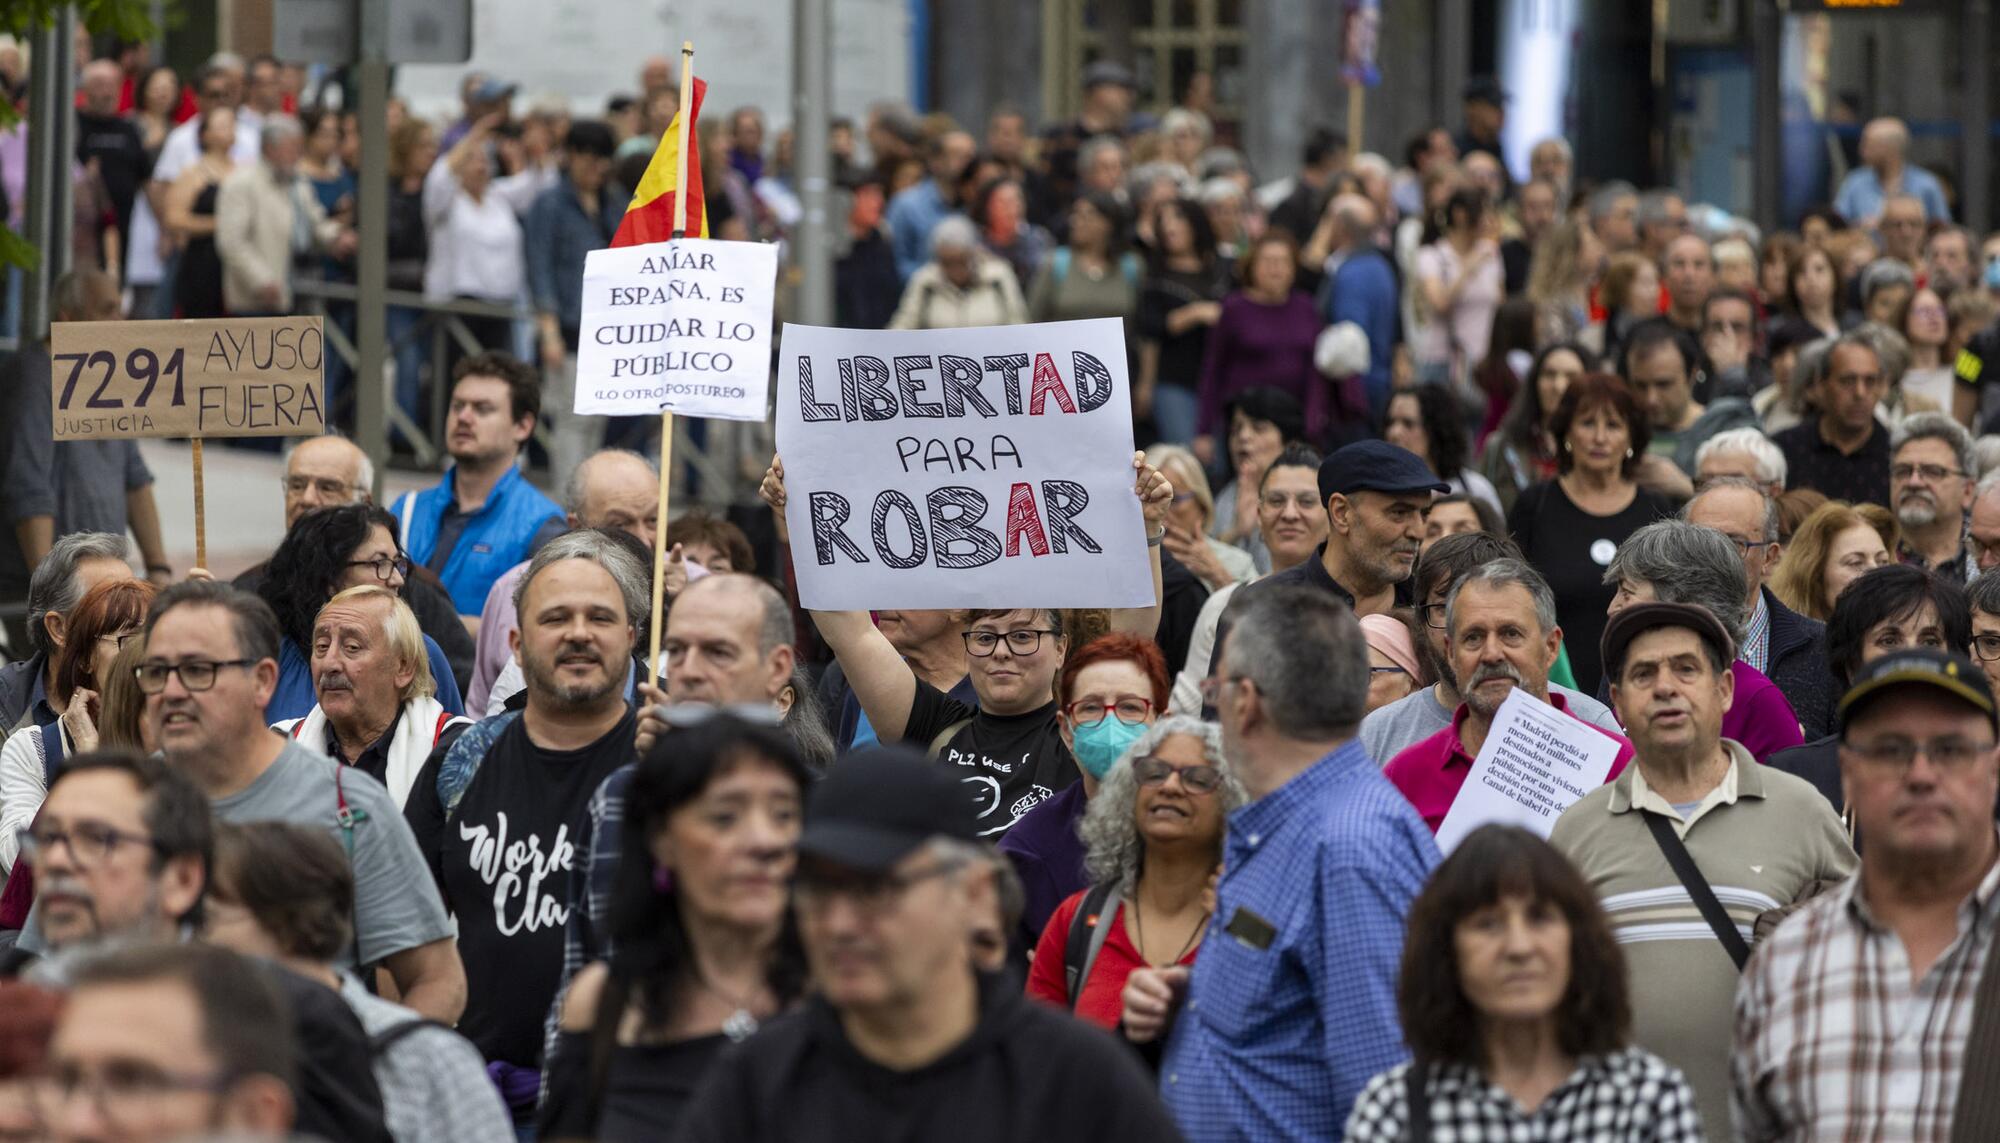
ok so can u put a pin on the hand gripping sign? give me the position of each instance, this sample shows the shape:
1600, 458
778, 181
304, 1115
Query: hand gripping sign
961, 468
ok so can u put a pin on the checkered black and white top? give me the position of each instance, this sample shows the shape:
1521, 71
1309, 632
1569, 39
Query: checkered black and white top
1628, 1095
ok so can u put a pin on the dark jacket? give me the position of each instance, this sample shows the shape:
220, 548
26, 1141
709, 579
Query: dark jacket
1026, 1072
17, 689
1798, 665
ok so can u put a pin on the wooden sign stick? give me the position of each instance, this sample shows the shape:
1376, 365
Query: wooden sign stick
200, 513
667, 415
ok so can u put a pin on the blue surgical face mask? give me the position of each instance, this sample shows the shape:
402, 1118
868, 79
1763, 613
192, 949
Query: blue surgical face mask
1993, 273
1097, 747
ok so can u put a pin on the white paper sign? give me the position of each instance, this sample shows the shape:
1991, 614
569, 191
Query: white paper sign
682, 326
961, 468
1536, 763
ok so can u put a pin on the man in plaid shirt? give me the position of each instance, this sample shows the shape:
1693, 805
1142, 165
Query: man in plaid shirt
1852, 1019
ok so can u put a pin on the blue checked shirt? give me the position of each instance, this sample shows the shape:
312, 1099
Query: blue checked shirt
1275, 1042
1757, 638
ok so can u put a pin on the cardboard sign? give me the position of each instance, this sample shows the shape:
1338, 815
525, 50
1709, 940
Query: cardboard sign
681, 327
961, 468
1536, 763
226, 377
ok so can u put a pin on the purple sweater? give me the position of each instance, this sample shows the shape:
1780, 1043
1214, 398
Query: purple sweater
1048, 854
1255, 345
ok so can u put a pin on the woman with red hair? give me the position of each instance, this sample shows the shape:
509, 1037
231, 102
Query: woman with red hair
1108, 693
108, 615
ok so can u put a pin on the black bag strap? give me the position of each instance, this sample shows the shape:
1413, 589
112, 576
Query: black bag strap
1976, 1116
1697, 887
1087, 930
388, 1037
1416, 1093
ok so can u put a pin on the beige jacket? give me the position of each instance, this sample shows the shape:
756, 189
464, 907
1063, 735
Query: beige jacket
930, 301
258, 230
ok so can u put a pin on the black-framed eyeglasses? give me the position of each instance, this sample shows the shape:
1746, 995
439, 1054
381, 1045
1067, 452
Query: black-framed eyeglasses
1930, 472
124, 1092
1028, 640
195, 674
384, 566
1745, 547
1431, 615
120, 638
871, 894
1373, 670
88, 842
1986, 648
1897, 755
328, 487
1153, 770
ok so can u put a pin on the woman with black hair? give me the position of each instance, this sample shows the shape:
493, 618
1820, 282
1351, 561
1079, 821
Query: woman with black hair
1096, 274
323, 554
1514, 1002
1179, 303
1429, 421
1522, 451
704, 946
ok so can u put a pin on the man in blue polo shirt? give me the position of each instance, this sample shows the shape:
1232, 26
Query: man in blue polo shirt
1291, 1006
483, 517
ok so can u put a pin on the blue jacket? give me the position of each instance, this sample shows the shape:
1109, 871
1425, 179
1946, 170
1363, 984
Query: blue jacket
1363, 290
912, 215
558, 234
496, 537
295, 697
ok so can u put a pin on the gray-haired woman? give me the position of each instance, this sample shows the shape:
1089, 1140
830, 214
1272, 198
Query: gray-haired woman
1154, 833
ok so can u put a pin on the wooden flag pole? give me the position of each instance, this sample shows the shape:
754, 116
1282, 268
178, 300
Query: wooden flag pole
200, 513
1357, 101
666, 415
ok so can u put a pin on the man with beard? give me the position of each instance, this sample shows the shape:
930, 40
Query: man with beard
1501, 634
1392, 729
1930, 480
1375, 496
376, 710
1692, 824
492, 812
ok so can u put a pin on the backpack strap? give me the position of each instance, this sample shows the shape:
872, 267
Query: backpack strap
389, 1037
945, 736
461, 762
1059, 264
1130, 264
1088, 927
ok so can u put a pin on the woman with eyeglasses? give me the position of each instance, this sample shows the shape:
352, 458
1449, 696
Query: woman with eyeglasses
1009, 748
1154, 836
323, 554
1393, 669
109, 616
704, 948
1110, 691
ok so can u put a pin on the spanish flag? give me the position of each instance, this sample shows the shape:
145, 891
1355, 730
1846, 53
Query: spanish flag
650, 217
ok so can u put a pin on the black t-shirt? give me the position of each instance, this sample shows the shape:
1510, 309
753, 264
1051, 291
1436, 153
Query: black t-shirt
1572, 548
1027, 1072
1181, 354
502, 864
114, 141
1012, 762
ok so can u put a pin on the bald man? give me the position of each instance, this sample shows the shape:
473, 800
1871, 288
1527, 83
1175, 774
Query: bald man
1885, 172
330, 471
614, 489
114, 143
1362, 289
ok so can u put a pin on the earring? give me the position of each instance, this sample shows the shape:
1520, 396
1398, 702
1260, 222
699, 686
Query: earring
663, 880
1628, 454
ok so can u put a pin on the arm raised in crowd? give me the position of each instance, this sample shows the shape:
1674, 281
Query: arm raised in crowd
1156, 495
883, 683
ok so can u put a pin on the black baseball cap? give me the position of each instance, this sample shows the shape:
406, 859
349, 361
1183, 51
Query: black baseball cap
1955, 675
1376, 466
1636, 620
1485, 89
1109, 72
875, 807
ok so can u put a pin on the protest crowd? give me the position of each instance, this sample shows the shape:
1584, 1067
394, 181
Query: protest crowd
1563, 706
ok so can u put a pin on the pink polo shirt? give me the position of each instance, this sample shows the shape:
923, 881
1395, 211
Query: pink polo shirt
1430, 772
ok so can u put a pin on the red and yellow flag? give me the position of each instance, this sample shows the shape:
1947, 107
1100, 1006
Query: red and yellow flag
650, 217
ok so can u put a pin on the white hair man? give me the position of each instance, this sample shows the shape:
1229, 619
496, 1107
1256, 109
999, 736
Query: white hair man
262, 211
961, 285
1883, 173
376, 710
1930, 476
1745, 453
1983, 531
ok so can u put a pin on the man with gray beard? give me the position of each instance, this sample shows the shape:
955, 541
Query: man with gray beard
1930, 481
493, 811
1500, 634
